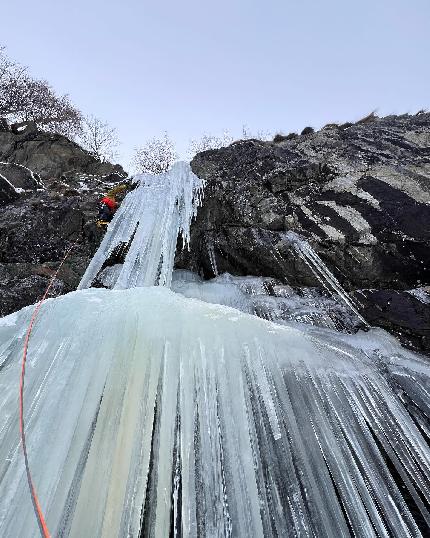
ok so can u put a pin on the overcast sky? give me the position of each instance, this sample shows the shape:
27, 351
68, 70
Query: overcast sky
192, 66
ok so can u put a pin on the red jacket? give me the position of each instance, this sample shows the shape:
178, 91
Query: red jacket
109, 202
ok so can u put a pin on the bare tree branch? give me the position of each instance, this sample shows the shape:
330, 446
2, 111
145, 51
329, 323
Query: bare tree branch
207, 142
259, 135
24, 99
99, 139
156, 156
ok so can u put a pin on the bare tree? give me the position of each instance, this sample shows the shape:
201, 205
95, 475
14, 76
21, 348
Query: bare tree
156, 156
99, 139
12, 86
207, 142
24, 99
247, 134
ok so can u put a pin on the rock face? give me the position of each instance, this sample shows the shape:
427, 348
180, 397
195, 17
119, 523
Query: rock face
51, 155
21, 177
402, 313
360, 194
35, 232
49, 189
8, 193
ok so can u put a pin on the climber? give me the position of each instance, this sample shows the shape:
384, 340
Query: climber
108, 205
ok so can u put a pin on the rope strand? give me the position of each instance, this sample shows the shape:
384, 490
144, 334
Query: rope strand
36, 505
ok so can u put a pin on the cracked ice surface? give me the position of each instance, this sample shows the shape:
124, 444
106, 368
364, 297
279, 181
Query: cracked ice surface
148, 412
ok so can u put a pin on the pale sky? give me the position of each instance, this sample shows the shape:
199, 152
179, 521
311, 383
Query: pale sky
190, 67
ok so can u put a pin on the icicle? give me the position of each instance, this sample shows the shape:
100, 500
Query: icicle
268, 299
143, 405
147, 225
211, 253
321, 271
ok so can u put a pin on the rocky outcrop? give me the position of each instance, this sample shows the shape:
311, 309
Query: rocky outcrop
52, 155
8, 193
360, 194
49, 189
402, 313
35, 233
20, 177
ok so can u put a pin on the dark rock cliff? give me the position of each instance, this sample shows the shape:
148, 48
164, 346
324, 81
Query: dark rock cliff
51, 155
360, 194
49, 189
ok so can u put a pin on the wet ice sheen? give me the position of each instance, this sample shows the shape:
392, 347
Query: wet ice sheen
150, 413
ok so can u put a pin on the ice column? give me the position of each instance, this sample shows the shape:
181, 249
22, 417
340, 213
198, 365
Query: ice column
147, 226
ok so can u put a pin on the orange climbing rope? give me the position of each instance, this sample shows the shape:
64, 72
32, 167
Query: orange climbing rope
36, 505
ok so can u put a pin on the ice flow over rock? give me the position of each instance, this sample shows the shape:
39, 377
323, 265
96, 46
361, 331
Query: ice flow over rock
153, 414
147, 227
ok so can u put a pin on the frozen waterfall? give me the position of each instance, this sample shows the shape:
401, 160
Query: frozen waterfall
152, 414
147, 227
